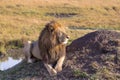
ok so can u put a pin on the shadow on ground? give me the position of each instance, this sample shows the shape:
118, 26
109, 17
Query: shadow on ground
91, 57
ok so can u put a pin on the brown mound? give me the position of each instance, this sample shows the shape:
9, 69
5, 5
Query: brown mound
96, 54
98, 41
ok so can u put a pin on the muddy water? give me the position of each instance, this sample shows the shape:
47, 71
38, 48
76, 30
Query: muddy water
4, 65
12, 58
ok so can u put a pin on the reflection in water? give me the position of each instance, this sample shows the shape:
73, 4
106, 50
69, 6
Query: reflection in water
10, 62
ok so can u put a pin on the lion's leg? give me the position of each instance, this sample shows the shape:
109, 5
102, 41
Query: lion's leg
29, 60
26, 51
51, 70
59, 64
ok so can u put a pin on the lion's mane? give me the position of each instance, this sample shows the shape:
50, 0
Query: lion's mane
50, 48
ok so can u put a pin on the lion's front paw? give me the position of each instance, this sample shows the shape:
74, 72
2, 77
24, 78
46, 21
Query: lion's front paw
53, 72
58, 69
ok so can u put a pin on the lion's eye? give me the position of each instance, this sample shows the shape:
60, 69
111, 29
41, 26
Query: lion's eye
52, 30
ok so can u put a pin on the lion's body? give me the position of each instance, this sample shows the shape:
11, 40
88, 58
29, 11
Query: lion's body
31, 51
35, 50
51, 46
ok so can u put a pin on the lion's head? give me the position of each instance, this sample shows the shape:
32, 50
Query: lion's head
52, 41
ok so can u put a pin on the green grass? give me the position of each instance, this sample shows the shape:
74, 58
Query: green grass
78, 73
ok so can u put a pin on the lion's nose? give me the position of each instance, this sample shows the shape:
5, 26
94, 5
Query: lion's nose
68, 37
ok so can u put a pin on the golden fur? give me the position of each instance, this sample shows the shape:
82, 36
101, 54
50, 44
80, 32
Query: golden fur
51, 50
50, 47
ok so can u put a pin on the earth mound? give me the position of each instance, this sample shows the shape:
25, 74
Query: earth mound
95, 56
96, 53
98, 41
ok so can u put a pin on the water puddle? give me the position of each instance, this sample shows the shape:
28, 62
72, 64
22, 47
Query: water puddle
9, 63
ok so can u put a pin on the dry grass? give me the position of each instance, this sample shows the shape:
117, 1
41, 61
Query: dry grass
77, 3
25, 18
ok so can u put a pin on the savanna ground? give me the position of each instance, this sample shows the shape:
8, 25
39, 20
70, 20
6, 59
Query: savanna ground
24, 19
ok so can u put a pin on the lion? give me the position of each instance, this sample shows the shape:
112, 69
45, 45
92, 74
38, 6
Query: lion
50, 47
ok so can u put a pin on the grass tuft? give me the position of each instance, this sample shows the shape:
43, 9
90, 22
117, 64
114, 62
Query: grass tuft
78, 73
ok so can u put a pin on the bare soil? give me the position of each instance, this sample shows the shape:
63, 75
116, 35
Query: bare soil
95, 56
97, 53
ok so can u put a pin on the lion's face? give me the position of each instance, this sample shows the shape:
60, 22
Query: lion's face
57, 33
62, 38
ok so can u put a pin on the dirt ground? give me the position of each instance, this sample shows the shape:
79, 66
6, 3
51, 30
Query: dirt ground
95, 56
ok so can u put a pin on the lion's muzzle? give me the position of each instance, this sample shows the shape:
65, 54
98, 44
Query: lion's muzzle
66, 40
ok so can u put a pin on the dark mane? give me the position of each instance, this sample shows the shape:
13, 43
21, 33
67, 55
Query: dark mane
50, 49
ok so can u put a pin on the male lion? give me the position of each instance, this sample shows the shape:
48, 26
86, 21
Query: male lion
50, 47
